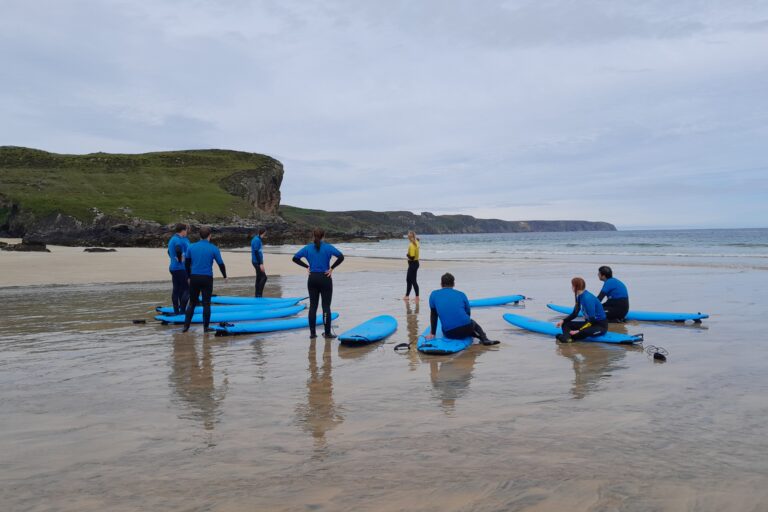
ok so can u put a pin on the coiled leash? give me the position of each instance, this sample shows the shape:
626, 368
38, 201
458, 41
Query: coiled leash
658, 354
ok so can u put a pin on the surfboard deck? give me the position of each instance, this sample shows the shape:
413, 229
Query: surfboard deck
224, 299
496, 301
371, 331
644, 316
533, 325
168, 310
267, 326
235, 316
441, 345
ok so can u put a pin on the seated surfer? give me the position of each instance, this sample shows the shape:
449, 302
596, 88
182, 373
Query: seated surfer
617, 305
452, 308
594, 323
199, 262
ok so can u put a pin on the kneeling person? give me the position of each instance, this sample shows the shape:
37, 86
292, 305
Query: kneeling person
617, 305
595, 322
452, 308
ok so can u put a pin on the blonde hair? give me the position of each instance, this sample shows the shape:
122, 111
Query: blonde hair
412, 237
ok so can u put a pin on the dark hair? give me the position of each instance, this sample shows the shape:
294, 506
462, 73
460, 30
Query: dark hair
180, 227
205, 232
262, 230
447, 280
318, 234
579, 284
605, 271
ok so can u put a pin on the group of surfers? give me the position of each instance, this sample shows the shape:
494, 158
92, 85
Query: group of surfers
191, 268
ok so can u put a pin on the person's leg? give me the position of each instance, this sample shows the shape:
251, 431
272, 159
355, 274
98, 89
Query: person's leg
314, 298
409, 280
567, 327
207, 291
326, 293
463, 331
261, 281
183, 289
175, 293
594, 329
479, 333
415, 284
616, 309
194, 294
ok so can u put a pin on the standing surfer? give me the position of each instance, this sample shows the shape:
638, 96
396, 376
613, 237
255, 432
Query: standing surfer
199, 262
320, 283
257, 260
177, 246
413, 266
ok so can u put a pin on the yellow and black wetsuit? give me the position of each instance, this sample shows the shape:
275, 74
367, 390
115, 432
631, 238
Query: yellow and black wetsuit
413, 268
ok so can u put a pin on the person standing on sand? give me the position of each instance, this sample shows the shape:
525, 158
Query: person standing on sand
451, 307
199, 262
594, 324
257, 259
177, 247
320, 282
617, 305
413, 266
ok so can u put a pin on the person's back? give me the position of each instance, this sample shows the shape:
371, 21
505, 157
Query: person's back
591, 308
617, 305
199, 263
177, 247
202, 255
614, 289
452, 307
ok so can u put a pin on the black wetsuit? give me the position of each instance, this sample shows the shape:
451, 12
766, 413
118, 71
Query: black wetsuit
261, 280
595, 323
615, 309
410, 278
200, 284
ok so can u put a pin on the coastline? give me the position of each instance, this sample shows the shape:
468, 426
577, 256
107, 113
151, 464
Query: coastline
71, 265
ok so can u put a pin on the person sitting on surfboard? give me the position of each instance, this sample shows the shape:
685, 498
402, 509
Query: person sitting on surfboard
452, 308
594, 324
617, 305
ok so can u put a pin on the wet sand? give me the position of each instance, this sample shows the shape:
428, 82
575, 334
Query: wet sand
101, 414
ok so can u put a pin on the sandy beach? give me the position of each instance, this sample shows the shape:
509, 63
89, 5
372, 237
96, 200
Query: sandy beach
71, 265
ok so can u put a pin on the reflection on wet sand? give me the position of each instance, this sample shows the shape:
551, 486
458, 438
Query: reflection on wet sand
594, 362
451, 377
192, 379
412, 328
319, 414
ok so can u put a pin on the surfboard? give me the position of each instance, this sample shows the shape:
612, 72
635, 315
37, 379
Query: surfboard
496, 301
268, 326
223, 299
168, 310
534, 325
440, 344
375, 329
645, 316
234, 316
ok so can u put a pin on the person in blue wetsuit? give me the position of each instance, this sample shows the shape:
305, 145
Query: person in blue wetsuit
617, 305
320, 282
177, 247
594, 323
257, 259
199, 261
451, 307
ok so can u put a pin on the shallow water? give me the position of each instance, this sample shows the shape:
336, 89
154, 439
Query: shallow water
102, 414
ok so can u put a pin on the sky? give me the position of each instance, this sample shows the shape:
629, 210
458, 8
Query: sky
645, 114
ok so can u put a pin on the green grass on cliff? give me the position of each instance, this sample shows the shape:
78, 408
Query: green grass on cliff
165, 187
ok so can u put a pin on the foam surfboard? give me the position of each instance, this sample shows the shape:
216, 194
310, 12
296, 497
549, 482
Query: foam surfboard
168, 310
375, 329
234, 316
644, 316
533, 325
496, 301
441, 344
223, 299
267, 326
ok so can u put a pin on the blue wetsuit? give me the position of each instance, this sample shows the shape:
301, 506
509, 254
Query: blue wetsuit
257, 260
177, 247
451, 307
595, 322
199, 262
319, 285
617, 305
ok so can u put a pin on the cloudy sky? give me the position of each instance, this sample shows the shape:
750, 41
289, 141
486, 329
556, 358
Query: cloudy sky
640, 113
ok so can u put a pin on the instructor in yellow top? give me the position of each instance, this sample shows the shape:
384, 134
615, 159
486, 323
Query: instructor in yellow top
413, 266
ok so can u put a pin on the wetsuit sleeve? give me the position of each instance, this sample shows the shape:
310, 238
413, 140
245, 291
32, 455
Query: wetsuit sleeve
433, 321
223, 269
336, 252
339, 260
179, 253
466, 306
297, 260
602, 293
301, 253
574, 313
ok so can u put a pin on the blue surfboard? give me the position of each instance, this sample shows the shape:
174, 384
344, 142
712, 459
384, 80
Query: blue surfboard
375, 329
533, 325
223, 299
267, 326
496, 301
235, 316
645, 316
440, 344
168, 310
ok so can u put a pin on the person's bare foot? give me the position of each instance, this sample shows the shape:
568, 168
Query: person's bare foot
406, 298
416, 299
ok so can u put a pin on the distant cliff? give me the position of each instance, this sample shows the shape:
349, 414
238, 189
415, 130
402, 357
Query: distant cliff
365, 222
132, 200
